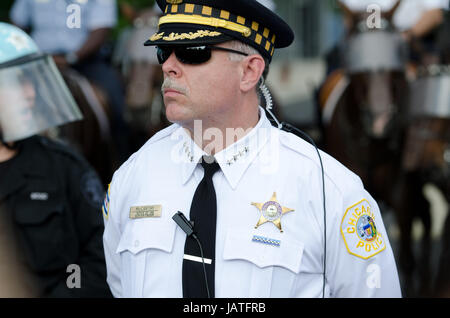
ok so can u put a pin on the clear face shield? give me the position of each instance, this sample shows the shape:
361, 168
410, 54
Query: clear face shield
33, 98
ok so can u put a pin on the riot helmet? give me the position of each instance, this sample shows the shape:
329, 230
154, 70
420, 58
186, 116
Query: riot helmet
33, 94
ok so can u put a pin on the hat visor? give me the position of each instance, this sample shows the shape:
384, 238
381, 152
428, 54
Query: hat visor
180, 34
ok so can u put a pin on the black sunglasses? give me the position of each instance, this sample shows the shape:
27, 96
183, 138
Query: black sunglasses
190, 54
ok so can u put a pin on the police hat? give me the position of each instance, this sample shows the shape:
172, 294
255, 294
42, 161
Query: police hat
193, 22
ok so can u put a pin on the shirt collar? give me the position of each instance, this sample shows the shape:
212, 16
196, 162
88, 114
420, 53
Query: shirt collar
233, 161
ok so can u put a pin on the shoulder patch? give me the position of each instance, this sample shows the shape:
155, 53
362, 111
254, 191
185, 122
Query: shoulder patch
105, 206
92, 189
359, 231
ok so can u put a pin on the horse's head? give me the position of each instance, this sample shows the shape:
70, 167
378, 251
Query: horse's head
377, 101
375, 59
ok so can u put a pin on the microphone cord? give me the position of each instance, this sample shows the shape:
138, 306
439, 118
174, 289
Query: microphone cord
188, 228
289, 128
203, 263
310, 140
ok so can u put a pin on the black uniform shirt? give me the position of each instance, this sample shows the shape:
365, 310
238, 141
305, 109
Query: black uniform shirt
54, 200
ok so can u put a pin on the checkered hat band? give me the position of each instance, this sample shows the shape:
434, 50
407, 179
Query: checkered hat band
205, 15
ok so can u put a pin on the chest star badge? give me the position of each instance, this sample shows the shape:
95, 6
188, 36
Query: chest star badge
271, 211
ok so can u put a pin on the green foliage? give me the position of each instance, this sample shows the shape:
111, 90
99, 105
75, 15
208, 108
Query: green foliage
138, 4
5, 5
333, 5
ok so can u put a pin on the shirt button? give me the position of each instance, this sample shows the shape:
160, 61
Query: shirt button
136, 243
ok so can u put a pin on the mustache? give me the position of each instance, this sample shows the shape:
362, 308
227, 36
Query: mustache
171, 84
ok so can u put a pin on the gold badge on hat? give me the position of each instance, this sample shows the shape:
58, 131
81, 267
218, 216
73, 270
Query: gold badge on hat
271, 211
174, 1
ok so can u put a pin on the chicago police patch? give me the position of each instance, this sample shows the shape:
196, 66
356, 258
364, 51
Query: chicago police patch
360, 234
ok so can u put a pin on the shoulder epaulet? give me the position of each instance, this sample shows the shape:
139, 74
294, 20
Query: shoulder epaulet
333, 169
60, 147
300, 146
162, 134
156, 137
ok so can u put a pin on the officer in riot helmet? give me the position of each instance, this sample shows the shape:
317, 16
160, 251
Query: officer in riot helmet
49, 195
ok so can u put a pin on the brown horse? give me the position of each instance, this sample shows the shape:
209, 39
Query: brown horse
427, 149
92, 135
443, 278
364, 109
363, 105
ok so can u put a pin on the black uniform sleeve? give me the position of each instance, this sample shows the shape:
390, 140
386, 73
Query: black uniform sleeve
85, 193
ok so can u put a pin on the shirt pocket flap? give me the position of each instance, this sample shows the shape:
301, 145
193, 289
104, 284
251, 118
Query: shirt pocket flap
240, 245
140, 235
27, 213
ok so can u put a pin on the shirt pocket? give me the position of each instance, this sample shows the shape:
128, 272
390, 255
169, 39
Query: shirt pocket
40, 224
261, 269
140, 239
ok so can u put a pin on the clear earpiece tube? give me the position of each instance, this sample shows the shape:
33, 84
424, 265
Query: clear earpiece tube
269, 102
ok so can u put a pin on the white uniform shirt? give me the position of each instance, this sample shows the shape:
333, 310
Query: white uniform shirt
62, 26
408, 13
144, 256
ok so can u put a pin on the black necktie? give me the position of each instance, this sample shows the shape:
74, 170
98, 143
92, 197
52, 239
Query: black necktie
203, 214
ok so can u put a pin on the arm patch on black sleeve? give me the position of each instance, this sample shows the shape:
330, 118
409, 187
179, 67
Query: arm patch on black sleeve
92, 189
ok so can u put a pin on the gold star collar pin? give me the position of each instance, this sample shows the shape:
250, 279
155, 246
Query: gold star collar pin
271, 211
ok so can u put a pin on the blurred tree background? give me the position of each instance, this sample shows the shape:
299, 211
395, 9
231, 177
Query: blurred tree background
5, 5
137, 4
316, 23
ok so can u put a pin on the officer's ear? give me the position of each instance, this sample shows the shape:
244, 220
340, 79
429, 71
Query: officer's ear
252, 70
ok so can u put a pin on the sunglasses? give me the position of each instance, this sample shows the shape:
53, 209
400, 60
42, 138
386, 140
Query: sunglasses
193, 55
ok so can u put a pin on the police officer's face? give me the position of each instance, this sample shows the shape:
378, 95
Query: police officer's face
16, 103
204, 92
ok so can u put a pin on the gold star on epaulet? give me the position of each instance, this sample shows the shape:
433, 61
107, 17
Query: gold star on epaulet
271, 211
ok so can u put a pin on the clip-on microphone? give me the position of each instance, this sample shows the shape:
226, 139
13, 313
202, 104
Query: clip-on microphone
184, 224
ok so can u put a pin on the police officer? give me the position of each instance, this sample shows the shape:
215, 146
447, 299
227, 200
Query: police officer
414, 18
222, 203
418, 21
49, 195
75, 33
